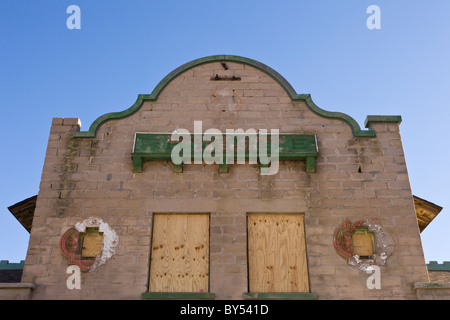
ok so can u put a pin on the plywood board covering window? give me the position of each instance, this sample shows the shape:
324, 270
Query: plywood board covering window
180, 253
277, 253
92, 242
362, 243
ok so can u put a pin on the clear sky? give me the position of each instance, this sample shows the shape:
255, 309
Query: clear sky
322, 47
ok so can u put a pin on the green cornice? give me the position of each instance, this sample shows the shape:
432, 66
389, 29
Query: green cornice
372, 119
226, 58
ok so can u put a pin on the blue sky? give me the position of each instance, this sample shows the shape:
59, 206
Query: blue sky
322, 47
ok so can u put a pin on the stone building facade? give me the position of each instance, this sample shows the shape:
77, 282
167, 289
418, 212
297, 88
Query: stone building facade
337, 222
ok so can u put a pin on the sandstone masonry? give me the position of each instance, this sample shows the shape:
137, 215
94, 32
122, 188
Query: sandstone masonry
360, 175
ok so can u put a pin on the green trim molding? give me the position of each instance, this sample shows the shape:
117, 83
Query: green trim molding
178, 296
372, 119
357, 131
435, 266
430, 285
159, 146
6, 265
279, 296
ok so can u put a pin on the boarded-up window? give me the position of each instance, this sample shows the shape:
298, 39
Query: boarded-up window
92, 242
180, 253
363, 242
277, 253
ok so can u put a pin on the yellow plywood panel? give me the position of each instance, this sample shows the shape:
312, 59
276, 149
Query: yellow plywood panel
277, 254
180, 253
362, 245
92, 245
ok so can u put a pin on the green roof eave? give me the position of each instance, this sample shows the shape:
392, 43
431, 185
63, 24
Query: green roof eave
372, 119
357, 131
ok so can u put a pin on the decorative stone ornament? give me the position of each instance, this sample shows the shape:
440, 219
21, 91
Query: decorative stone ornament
70, 246
89, 244
343, 238
363, 244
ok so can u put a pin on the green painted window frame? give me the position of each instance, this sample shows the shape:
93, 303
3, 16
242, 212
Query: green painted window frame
178, 296
279, 296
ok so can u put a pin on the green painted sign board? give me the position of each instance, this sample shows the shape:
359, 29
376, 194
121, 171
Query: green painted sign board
158, 146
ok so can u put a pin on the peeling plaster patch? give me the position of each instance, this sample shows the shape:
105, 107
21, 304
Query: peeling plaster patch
362, 265
384, 249
110, 239
384, 243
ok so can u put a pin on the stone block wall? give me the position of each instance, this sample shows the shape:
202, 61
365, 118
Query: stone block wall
356, 178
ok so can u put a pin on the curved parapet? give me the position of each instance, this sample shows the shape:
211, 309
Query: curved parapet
357, 131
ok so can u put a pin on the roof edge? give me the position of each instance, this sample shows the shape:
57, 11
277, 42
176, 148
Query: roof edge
357, 131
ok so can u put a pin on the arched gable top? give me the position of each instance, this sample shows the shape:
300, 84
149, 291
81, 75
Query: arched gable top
357, 131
